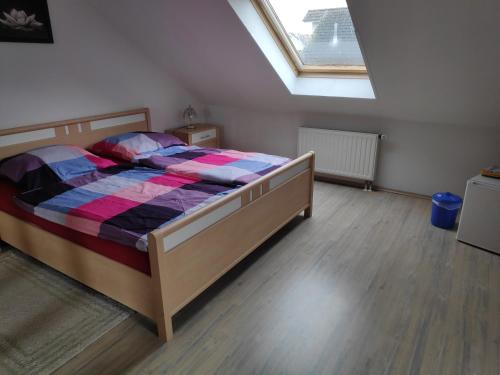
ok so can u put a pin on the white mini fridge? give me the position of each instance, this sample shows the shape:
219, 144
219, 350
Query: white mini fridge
480, 218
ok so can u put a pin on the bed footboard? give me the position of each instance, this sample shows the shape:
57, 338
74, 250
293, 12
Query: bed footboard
191, 254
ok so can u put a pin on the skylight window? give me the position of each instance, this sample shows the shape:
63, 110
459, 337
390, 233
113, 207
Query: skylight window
316, 36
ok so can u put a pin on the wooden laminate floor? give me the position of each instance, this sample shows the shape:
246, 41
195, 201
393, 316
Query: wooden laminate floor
367, 286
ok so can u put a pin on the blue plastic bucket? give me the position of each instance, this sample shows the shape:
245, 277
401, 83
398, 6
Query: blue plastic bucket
445, 207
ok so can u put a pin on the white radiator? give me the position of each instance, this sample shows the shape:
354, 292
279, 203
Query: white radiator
341, 153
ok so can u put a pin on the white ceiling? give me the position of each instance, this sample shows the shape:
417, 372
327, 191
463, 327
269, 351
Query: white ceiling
429, 61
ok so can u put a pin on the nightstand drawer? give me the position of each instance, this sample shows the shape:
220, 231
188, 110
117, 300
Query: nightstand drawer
211, 143
203, 136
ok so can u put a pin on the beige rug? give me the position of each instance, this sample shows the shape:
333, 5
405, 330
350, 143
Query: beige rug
46, 318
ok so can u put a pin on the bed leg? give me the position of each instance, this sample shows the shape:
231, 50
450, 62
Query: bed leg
165, 330
308, 212
156, 261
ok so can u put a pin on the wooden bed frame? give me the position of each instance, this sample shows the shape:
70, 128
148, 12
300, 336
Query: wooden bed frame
187, 256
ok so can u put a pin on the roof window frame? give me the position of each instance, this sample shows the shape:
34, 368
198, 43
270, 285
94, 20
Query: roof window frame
279, 34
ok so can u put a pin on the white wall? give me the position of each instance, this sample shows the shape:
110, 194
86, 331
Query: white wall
415, 157
91, 69
422, 57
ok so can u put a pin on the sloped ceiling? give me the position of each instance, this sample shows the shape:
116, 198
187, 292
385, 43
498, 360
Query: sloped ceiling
430, 61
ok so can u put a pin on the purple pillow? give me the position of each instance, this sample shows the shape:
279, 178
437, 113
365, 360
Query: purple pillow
45, 165
127, 146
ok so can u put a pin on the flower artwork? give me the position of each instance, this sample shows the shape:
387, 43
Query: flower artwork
19, 20
25, 21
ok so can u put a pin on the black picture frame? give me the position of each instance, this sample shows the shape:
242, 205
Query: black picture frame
25, 21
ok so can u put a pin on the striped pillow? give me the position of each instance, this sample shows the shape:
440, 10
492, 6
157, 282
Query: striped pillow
41, 166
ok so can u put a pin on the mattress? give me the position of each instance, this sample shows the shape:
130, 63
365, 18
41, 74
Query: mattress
229, 167
126, 255
121, 203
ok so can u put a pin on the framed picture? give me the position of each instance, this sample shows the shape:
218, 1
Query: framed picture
25, 21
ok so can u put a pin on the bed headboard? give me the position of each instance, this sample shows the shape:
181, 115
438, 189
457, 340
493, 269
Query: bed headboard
81, 131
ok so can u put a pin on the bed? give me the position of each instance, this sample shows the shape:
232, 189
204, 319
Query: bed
184, 257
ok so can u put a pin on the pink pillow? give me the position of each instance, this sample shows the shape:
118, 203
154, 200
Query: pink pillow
127, 146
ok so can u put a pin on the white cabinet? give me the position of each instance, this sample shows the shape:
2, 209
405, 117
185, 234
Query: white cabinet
480, 218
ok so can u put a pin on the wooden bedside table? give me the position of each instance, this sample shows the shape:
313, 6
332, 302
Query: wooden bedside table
203, 135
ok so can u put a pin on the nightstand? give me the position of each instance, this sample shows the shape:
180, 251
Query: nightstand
203, 135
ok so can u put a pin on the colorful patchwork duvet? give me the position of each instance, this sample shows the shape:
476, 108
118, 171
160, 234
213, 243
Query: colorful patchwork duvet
221, 166
120, 203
